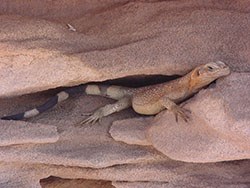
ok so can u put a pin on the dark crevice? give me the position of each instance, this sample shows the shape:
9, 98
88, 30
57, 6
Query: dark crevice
53, 181
129, 81
140, 80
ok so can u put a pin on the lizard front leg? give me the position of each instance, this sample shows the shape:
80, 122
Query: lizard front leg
177, 110
107, 110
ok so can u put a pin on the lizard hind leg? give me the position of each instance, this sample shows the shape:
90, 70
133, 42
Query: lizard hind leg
107, 110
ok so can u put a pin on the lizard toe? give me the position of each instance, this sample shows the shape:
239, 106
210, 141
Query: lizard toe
182, 113
93, 118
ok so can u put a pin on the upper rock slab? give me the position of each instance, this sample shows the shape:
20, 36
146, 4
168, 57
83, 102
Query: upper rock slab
39, 52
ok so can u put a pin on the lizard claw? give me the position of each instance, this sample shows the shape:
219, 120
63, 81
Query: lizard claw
93, 117
182, 112
90, 120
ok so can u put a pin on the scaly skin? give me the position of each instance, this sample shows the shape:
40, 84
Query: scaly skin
153, 99
147, 100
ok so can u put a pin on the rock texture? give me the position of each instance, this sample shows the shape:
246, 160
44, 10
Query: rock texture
166, 172
137, 38
115, 39
131, 131
53, 182
219, 129
23, 133
140, 184
77, 145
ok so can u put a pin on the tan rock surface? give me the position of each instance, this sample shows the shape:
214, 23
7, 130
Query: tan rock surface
174, 173
19, 175
91, 146
141, 184
114, 39
219, 129
85, 146
131, 131
137, 38
22, 133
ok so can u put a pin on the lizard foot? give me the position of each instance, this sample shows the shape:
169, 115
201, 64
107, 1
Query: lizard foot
182, 112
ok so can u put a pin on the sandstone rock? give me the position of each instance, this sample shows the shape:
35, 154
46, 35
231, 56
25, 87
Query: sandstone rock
219, 128
85, 146
53, 182
57, 10
19, 175
91, 146
23, 133
170, 185
131, 131
114, 39
176, 174
141, 184
137, 38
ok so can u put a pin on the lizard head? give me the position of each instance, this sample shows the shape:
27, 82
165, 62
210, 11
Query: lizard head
207, 73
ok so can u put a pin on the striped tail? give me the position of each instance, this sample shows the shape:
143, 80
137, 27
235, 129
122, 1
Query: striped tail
61, 96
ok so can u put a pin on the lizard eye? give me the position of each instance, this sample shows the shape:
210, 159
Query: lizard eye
210, 68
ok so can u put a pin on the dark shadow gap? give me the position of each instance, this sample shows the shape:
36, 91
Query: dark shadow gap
36, 99
141, 80
53, 181
129, 81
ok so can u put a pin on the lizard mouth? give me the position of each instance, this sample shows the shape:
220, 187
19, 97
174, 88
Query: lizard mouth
220, 73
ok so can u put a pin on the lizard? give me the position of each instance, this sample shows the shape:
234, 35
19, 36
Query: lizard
147, 100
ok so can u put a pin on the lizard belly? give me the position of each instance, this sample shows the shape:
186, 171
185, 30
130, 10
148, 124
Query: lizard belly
148, 109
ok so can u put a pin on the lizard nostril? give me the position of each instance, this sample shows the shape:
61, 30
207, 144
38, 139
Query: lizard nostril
223, 66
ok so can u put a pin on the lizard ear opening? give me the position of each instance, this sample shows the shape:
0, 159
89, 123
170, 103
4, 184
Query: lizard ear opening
195, 74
